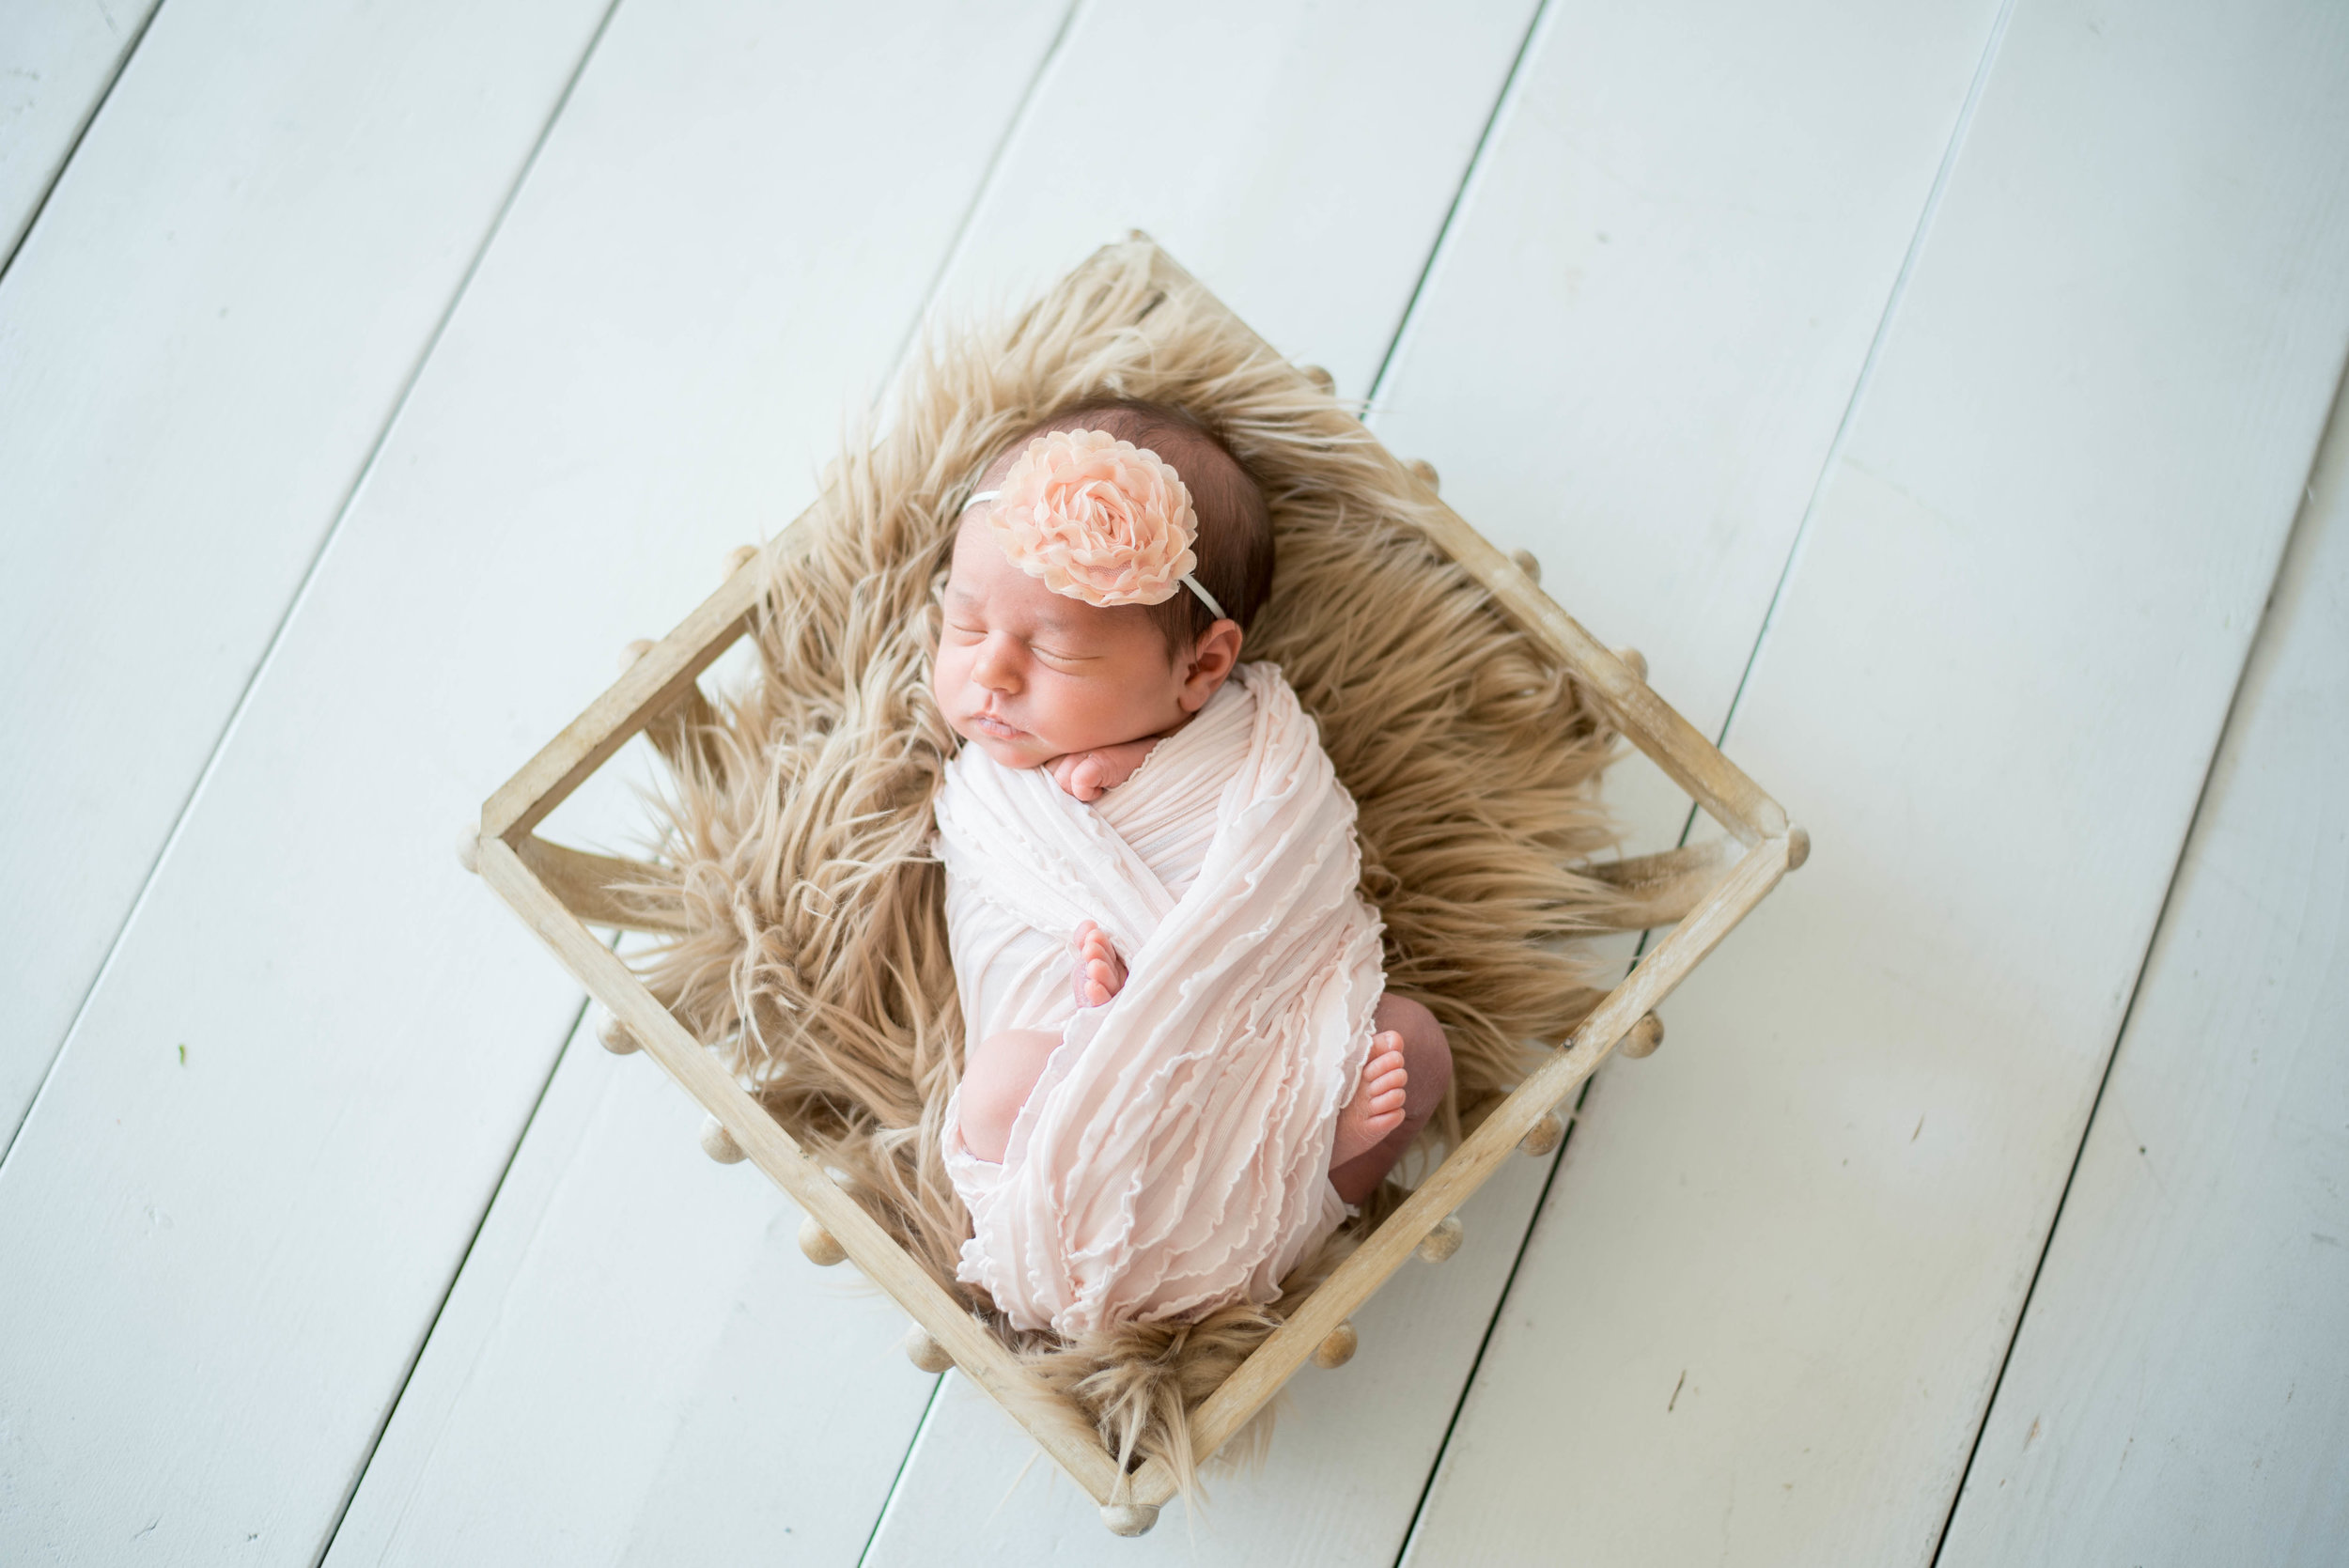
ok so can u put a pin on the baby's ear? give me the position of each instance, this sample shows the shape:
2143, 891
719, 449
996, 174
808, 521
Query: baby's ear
1212, 661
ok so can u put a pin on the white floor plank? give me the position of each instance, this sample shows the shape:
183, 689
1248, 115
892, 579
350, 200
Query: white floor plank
1307, 180
624, 1294
1348, 1463
1636, 352
2179, 1393
205, 336
56, 60
219, 1268
1760, 1316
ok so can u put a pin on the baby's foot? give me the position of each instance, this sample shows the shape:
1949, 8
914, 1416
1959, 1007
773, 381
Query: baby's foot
1094, 966
1377, 1108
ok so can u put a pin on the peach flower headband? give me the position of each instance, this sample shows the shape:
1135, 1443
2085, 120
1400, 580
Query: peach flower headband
1099, 519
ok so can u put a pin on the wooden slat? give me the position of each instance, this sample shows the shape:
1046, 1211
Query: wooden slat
56, 62
1723, 231
652, 687
1667, 740
584, 884
219, 1273
2180, 1390
1662, 887
1761, 1316
205, 336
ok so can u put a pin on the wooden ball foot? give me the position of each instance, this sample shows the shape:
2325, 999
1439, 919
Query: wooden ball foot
823, 1249
1339, 1348
615, 1036
1644, 1037
1444, 1240
1797, 848
1128, 1518
924, 1351
718, 1144
1547, 1135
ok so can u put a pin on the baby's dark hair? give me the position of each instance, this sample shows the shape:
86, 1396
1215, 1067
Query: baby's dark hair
1235, 543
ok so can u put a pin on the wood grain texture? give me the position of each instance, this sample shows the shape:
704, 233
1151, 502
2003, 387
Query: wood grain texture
1761, 1314
204, 336
56, 59
219, 1271
2179, 1392
1346, 1468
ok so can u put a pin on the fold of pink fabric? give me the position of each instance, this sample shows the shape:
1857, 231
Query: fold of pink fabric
1175, 1156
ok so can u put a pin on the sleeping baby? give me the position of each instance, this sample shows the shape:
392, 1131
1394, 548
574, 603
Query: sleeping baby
1181, 1065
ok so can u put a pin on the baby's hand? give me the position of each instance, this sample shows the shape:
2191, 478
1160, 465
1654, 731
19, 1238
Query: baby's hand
1094, 966
1090, 775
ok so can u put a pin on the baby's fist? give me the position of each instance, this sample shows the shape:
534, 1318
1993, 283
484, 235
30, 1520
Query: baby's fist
1084, 775
1090, 775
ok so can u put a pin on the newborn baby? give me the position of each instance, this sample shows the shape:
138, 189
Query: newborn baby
1181, 1065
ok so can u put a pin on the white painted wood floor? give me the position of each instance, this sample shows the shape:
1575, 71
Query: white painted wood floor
1938, 395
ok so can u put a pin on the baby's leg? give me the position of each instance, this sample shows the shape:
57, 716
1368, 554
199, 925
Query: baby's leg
1001, 1074
1410, 1029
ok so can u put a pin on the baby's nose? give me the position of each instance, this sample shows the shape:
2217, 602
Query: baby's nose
997, 667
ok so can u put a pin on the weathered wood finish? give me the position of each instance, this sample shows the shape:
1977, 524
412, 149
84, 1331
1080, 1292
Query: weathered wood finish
585, 883
1664, 886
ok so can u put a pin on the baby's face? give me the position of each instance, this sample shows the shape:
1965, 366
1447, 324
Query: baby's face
1032, 675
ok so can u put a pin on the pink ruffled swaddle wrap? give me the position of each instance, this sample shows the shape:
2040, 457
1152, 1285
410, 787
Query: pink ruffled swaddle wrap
1175, 1156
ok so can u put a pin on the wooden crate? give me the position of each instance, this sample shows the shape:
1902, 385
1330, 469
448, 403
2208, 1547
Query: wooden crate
1702, 892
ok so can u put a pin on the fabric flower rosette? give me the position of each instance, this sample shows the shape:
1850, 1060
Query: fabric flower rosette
1096, 519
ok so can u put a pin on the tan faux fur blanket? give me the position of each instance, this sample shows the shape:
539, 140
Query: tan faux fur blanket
817, 960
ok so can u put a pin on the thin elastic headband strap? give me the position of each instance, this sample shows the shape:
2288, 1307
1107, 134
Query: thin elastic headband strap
1189, 581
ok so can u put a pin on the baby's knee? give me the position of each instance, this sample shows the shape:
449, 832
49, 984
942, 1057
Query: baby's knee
1001, 1074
